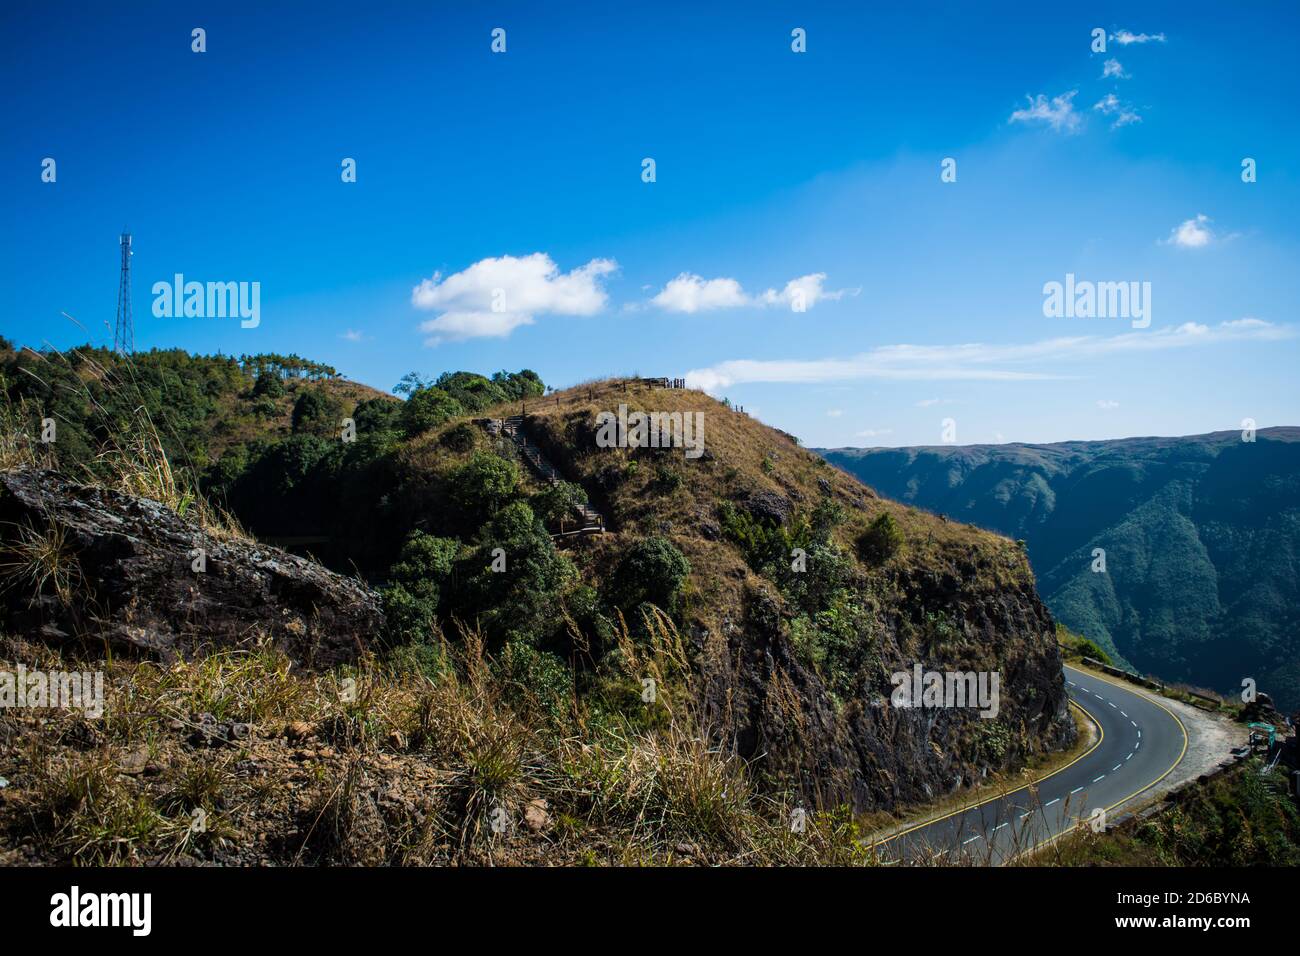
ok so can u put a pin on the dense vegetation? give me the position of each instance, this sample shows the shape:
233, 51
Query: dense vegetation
1201, 538
302, 458
1242, 819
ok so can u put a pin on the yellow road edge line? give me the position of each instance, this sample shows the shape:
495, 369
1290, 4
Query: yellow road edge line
1136, 793
998, 796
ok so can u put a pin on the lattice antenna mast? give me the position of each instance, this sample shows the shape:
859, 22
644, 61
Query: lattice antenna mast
124, 329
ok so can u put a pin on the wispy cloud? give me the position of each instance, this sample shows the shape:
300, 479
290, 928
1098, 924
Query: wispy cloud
351, 335
1058, 113
1113, 69
690, 293
495, 296
980, 362
1125, 37
874, 432
1107, 403
1123, 113
834, 412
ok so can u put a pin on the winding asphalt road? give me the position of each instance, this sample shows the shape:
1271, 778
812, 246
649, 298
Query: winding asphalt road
1141, 742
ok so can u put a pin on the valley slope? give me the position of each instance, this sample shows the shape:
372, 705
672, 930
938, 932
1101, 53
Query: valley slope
1201, 538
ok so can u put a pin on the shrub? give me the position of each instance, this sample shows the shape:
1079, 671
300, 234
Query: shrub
484, 484
428, 408
881, 541
1089, 648
652, 571
668, 479
520, 601
536, 678
417, 580
375, 416
316, 413
461, 437
473, 392
557, 502
268, 385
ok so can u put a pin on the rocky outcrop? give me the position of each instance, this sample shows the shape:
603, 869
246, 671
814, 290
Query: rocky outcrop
866, 752
134, 573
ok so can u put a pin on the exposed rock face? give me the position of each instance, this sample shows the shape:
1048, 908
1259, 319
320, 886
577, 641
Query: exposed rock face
868, 752
133, 582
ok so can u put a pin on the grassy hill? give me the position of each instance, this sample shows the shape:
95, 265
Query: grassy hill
1201, 538
784, 663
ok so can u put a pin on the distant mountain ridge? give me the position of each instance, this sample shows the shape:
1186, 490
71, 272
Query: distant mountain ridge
1201, 537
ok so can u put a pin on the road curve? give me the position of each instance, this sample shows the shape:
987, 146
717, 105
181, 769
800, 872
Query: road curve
1141, 742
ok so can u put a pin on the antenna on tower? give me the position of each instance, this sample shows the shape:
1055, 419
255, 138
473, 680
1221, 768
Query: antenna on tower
124, 329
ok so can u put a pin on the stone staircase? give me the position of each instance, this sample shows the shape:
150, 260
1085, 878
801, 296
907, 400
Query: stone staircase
590, 521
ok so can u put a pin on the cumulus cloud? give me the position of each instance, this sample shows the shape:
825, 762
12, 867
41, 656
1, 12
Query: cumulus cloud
1125, 37
1191, 233
981, 362
1058, 113
690, 293
495, 296
1113, 68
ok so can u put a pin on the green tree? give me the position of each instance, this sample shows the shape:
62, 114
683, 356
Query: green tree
316, 412
484, 484
417, 580
428, 408
515, 578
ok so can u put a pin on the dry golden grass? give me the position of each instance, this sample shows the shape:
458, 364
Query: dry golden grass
372, 765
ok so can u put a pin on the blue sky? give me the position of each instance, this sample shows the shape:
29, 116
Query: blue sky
519, 175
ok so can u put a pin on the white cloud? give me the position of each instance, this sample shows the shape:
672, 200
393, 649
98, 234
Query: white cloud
1107, 403
1058, 113
690, 293
979, 362
1191, 233
873, 432
1113, 68
806, 289
495, 296
1124, 37
834, 413
930, 402
1111, 105
352, 335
